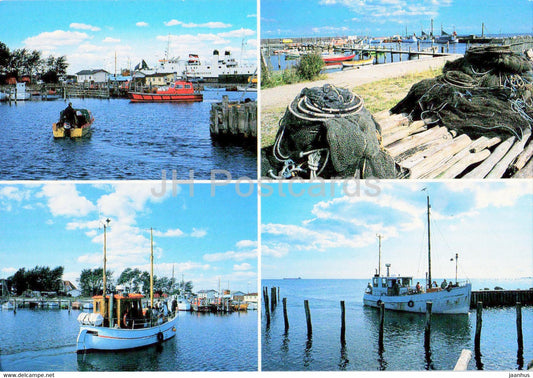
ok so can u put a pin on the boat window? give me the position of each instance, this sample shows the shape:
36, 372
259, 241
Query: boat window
179, 86
375, 282
383, 282
187, 86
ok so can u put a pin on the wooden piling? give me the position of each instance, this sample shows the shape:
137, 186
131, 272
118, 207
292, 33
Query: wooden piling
381, 324
69, 306
308, 318
272, 298
14, 306
343, 324
427, 331
285, 316
519, 337
477, 338
267, 310
278, 294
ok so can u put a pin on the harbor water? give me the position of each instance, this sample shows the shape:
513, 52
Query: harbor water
45, 340
133, 141
403, 332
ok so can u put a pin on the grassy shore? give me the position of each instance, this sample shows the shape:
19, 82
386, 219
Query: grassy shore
378, 95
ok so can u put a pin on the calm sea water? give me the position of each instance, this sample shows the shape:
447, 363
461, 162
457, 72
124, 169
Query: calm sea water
403, 333
45, 340
129, 141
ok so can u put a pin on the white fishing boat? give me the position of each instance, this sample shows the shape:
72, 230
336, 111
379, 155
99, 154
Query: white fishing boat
9, 306
184, 304
119, 322
222, 69
398, 293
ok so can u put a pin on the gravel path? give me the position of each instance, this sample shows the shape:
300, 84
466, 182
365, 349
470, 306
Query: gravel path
281, 96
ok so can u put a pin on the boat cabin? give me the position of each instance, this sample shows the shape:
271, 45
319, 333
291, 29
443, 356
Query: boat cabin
126, 309
390, 286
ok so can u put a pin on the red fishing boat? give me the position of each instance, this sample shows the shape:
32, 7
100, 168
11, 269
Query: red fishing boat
179, 91
337, 58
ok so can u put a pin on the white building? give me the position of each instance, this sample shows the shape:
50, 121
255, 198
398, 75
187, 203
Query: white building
98, 76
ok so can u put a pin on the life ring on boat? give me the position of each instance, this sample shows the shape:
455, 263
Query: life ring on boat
160, 337
379, 302
125, 320
410, 303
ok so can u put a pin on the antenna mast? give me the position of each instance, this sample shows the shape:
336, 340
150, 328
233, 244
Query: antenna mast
105, 258
429, 243
151, 269
379, 258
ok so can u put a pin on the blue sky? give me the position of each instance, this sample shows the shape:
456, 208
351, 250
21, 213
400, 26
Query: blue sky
313, 18
90, 32
489, 224
203, 237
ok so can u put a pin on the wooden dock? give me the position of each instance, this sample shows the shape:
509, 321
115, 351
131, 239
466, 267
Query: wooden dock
494, 298
438, 153
233, 120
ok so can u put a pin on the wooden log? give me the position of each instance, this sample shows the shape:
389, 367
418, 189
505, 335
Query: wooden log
482, 170
343, 324
488, 144
418, 139
448, 163
267, 310
285, 316
427, 330
479, 320
272, 298
501, 167
463, 164
414, 127
393, 121
431, 162
382, 115
522, 159
394, 126
308, 318
415, 155
519, 336
464, 359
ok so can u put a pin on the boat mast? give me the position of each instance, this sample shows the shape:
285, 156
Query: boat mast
105, 258
429, 244
151, 269
379, 258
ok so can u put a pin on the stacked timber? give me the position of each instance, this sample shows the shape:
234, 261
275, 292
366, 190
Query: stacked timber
233, 120
424, 152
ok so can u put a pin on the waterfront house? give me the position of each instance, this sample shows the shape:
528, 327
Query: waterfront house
158, 79
92, 77
207, 294
238, 296
250, 297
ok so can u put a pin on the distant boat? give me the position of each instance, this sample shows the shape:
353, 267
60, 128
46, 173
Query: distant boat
397, 292
446, 38
409, 39
179, 91
337, 58
358, 63
184, 304
292, 278
8, 306
3, 96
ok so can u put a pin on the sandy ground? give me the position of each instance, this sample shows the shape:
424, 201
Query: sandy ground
281, 96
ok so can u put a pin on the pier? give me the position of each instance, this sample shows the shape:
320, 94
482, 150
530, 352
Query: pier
494, 298
234, 120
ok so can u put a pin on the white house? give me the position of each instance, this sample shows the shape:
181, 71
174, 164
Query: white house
250, 297
98, 76
207, 294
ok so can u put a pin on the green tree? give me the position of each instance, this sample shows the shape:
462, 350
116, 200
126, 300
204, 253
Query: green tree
91, 281
18, 281
309, 66
5, 57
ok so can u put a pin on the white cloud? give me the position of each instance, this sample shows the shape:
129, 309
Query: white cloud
502, 194
242, 254
246, 244
255, 15
198, 233
55, 39
169, 233
63, 199
8, 271
110, 40
242, 267
80, 26
13, 193
142, 24
239, 33
209, 25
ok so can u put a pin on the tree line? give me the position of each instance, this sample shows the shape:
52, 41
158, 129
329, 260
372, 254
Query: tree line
45, 279
31, 63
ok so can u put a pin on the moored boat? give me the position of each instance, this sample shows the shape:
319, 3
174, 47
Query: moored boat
179, 91
73, 128
184, 304
446, 38
119, 322
336, 58
398, 293
8, 306
358, 63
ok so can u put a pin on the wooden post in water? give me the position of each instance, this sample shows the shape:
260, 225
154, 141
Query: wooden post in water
308, 318
69, 306
427, 331
343, 324
14, 306
519, 329
272, 298
477, 338
381, 324
278, 295
285, 317
267, 309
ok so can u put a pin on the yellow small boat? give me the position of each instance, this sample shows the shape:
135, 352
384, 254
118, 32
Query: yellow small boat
358, 63
82, 126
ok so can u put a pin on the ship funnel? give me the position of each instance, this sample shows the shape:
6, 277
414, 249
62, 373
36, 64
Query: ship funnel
388, 267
